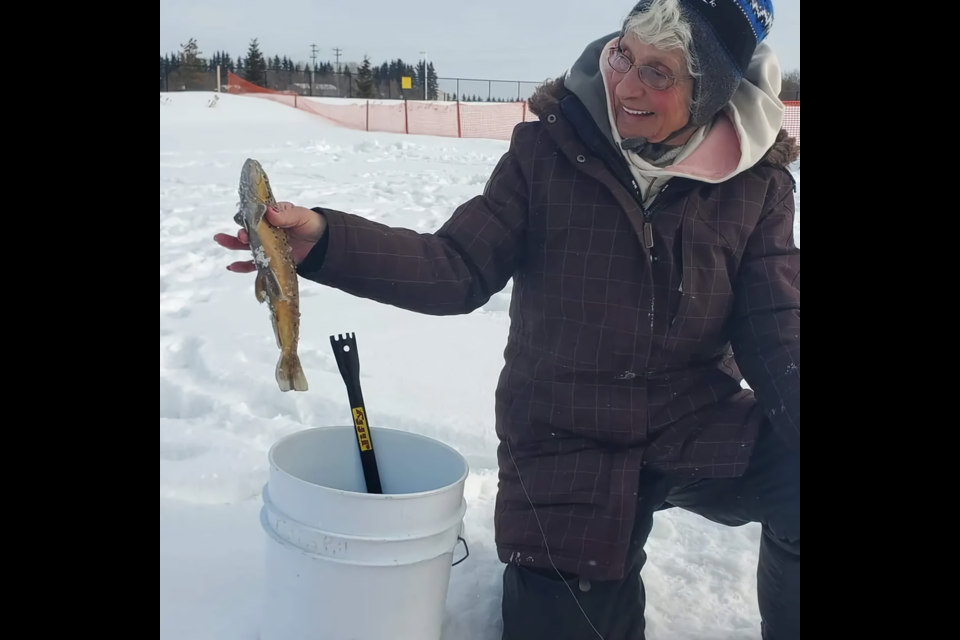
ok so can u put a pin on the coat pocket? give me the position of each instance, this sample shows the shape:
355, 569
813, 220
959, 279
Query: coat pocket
549, 461
706, 296
577, 478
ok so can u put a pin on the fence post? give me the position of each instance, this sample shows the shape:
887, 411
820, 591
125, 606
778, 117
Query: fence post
459, 120
406, 113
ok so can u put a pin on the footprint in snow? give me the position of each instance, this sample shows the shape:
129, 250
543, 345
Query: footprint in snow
181, 452
177, 403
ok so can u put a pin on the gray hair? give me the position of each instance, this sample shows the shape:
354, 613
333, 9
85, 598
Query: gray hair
663, 25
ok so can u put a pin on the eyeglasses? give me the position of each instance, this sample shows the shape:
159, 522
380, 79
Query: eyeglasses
653, 78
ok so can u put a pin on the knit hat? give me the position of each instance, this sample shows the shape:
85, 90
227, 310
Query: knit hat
726, 34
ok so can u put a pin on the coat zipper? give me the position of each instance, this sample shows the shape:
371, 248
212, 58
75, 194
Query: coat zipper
619, 165
649, 213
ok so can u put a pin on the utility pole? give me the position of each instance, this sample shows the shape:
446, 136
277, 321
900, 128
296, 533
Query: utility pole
339, 52
313, 69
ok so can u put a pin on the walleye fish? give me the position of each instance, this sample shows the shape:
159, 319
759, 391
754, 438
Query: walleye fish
276, 283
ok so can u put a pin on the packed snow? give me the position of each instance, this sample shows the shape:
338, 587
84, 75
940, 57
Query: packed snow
221, 410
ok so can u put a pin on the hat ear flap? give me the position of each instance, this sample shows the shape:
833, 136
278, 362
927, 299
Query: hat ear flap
719, 77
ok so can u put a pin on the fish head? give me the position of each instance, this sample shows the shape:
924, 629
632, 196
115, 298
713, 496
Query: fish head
255, 195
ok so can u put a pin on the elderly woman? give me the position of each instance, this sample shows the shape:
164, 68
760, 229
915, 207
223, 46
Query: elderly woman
647, 221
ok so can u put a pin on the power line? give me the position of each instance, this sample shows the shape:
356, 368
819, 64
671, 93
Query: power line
339, 52
313, 69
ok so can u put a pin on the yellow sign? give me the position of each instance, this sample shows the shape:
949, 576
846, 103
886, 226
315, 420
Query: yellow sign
363, 432
407, 83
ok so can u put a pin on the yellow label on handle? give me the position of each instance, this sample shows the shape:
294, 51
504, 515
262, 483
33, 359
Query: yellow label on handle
363, 432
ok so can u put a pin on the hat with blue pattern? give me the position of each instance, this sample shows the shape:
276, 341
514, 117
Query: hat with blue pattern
726, 34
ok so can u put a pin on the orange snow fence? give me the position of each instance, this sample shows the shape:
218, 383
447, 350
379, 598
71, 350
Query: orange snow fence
791, 120
494, 121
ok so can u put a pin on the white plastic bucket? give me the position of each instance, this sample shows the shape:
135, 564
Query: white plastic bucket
342, 564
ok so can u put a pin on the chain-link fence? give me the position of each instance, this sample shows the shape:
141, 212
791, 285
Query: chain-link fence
348, 85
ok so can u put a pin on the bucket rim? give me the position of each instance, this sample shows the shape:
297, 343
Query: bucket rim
370, 496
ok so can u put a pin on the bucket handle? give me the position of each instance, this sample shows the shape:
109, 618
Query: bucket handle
465, 546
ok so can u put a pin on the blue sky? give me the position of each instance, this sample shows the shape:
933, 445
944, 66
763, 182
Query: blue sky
528, 40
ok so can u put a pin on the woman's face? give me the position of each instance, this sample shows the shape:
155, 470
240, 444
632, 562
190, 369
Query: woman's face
640, 110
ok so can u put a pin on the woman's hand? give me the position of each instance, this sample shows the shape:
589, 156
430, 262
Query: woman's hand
304, 228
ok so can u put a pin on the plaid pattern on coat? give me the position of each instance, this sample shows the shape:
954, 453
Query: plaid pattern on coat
618, 356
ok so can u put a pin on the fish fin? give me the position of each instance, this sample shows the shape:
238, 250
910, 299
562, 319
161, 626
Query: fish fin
276, 329
269, 285
290, 374
260, 289
259, 215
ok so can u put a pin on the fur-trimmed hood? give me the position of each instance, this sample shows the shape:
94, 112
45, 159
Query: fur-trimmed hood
749, 132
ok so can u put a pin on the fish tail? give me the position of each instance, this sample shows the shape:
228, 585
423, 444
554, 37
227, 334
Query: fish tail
290, 374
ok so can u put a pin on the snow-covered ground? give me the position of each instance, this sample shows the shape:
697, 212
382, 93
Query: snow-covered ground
220, 409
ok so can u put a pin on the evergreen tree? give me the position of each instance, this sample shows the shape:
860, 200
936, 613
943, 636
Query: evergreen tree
420, 79
400, 70
381, 79
189, 69
164, 69
433, 82
365, 86
255, 67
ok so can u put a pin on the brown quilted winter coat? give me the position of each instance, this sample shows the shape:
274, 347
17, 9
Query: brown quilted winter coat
619, 355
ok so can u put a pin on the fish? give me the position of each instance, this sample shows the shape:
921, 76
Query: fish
277, 283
